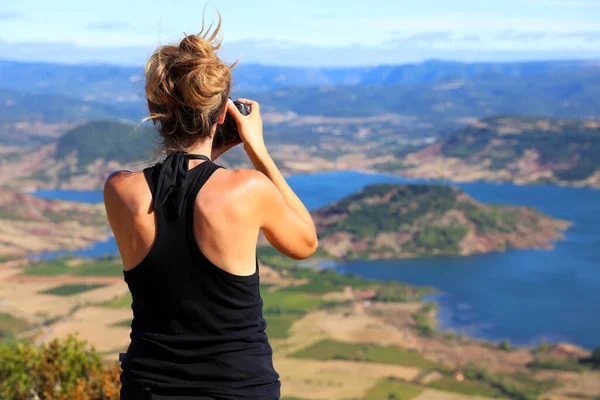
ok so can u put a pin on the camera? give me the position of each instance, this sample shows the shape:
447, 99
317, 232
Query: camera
227, 132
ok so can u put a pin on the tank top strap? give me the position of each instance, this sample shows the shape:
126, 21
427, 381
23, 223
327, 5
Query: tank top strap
150, 178
197, 179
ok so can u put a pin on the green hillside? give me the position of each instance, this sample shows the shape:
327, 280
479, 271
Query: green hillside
506, 148
108, 140
395, 221
82, 158
569, 147
517, 149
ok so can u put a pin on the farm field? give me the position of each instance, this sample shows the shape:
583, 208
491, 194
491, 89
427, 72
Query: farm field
329, 342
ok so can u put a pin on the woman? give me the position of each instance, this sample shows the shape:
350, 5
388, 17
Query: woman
187, 232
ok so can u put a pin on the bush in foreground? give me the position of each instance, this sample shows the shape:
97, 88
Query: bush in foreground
59, 370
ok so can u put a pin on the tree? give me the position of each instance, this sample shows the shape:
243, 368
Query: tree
505, 345
59, 370
595, 358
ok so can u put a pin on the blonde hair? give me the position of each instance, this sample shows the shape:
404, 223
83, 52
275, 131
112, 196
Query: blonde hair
187, 87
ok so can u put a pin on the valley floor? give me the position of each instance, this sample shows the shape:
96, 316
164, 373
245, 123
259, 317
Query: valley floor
328, 343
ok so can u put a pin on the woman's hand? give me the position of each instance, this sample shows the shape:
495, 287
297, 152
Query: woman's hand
250, 127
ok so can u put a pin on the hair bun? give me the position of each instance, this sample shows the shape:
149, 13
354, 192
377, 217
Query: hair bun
187, 86
199, 46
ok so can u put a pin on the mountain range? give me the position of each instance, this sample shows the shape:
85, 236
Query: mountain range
53, 108
562, 95
116, 84
523, 122
571, 95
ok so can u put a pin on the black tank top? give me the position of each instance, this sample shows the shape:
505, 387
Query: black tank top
197, 330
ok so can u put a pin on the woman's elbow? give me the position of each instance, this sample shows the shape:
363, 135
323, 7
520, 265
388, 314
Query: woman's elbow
314, 245
307, 250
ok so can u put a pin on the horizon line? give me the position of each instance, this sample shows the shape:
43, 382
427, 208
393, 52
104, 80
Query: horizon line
330, 67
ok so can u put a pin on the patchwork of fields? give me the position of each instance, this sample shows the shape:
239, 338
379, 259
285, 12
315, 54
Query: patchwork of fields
334, 336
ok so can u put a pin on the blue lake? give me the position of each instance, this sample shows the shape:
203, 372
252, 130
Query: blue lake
84, 196
525, 296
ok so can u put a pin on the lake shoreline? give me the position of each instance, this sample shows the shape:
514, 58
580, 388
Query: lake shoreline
442, 322
514, 280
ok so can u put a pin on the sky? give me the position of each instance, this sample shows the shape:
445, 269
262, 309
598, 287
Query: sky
305, 33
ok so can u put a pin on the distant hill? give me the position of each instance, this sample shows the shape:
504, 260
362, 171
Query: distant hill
105, 83
398, 221
46, 107
108, 140
82, 158
556, 95
511, 149
517, 149
31, 225
115, 84
432, 90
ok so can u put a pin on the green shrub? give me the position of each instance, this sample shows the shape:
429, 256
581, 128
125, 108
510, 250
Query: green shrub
543, 347
59, 370
424, 321
595, 358
505, 345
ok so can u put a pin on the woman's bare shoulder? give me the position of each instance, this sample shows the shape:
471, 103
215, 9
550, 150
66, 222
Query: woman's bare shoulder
126, 188
231, 186
248, 182
124, 181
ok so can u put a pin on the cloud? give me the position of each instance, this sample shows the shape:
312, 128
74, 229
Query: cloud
499, 40
108, 26
325, 16
430, 37
70, 53
565, 3
521, 36
422, 38
459, 47
512, 35
472, 38
4, 15
589, 36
